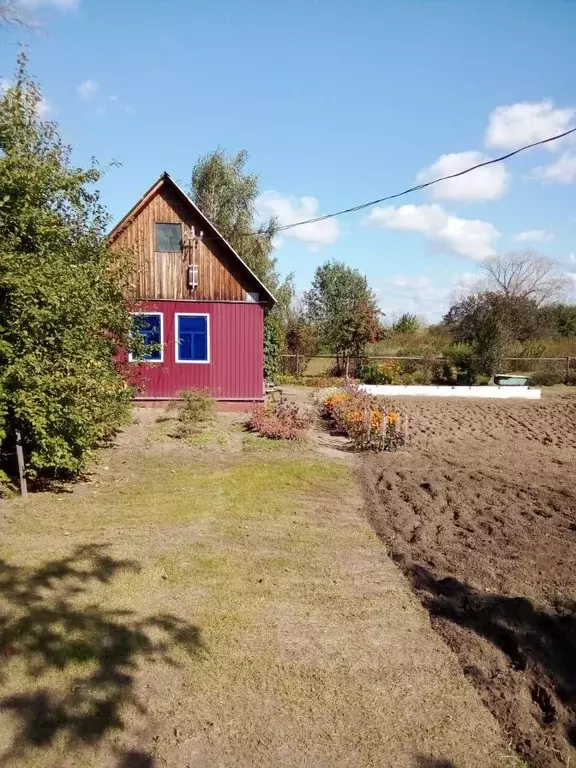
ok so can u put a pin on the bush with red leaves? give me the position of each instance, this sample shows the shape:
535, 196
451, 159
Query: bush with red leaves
280, 420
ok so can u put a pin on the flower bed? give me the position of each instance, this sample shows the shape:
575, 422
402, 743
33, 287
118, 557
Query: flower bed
367, 422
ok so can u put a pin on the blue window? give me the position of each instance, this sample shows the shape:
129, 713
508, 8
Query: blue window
149, 326
193, 342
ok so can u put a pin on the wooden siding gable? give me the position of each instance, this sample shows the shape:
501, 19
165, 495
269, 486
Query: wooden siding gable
222, 275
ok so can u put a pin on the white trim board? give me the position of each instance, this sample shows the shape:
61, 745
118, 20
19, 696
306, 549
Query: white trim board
497, 393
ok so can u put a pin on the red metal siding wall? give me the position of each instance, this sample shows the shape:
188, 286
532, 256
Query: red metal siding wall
235, 370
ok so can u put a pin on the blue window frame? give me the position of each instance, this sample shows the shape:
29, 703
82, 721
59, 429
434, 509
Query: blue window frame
192, 338
149, 326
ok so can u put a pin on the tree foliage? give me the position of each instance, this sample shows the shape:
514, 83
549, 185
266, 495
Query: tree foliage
406, 323
344, 308
226, 192
490, 321
63, 320
563, 319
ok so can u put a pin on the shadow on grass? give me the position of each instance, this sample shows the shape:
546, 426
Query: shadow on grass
421, 761
46, 625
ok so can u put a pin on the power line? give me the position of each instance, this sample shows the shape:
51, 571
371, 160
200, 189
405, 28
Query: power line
417, 187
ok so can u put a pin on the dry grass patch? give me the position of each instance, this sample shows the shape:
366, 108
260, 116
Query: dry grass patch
185, 611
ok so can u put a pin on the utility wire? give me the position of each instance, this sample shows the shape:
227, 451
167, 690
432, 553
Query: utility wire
417, 187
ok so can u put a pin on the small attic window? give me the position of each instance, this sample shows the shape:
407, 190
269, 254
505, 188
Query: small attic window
168, 237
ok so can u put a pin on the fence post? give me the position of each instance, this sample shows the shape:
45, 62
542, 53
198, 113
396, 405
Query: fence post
21, 465
297, 364
567, 369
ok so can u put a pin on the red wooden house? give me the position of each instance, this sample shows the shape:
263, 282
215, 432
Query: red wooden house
202, 308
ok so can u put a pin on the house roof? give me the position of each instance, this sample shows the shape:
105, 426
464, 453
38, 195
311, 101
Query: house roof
166, 180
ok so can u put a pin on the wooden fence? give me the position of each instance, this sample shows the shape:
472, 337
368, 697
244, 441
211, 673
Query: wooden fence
324, 365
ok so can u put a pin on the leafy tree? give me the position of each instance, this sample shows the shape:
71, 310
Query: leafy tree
406, 323
226, 192
63, 320
490, 321
345, 310
301, 338
562, 318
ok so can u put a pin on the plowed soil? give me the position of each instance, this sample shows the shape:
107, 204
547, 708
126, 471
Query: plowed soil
480, 513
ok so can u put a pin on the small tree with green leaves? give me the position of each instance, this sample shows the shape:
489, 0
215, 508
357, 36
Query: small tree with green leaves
63, 318
406, 323
345, 310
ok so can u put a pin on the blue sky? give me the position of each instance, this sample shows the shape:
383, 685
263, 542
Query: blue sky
337, 102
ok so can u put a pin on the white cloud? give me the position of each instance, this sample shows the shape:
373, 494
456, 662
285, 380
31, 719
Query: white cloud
534, 236
420, 294
512, 126
488, 183
472, 238
561, 171
572, 258
87, 89
43, 109
289, 210
62, 5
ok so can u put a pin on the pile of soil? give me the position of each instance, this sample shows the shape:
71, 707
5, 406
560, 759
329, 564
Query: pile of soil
480, 513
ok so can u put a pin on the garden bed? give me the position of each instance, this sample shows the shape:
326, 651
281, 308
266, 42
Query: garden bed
481, 516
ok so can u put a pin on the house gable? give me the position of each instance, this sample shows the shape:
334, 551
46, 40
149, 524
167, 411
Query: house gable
221, 273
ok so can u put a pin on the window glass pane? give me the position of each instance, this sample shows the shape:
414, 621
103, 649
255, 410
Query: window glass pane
168, 237
193, 324
200, 346
192, 339
149, 327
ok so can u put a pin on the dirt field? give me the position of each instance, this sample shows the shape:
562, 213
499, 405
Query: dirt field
480, 513
221, 603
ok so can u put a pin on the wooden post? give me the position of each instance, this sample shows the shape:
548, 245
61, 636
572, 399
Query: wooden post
347, 371
567, 369
297, 364
21, 466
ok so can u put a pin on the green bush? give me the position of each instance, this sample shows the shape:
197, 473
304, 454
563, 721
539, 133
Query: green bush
421, 377
195, 408
386, 372
64, 323
547, 378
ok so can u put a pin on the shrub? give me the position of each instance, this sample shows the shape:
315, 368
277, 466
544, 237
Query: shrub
547, 378
368, 424
195, 407
387, 372
279, 419
287, 379
421, 377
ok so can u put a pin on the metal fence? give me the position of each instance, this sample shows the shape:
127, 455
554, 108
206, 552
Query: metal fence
325, 365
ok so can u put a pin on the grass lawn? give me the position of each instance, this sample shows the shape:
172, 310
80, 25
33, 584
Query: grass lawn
220, 603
